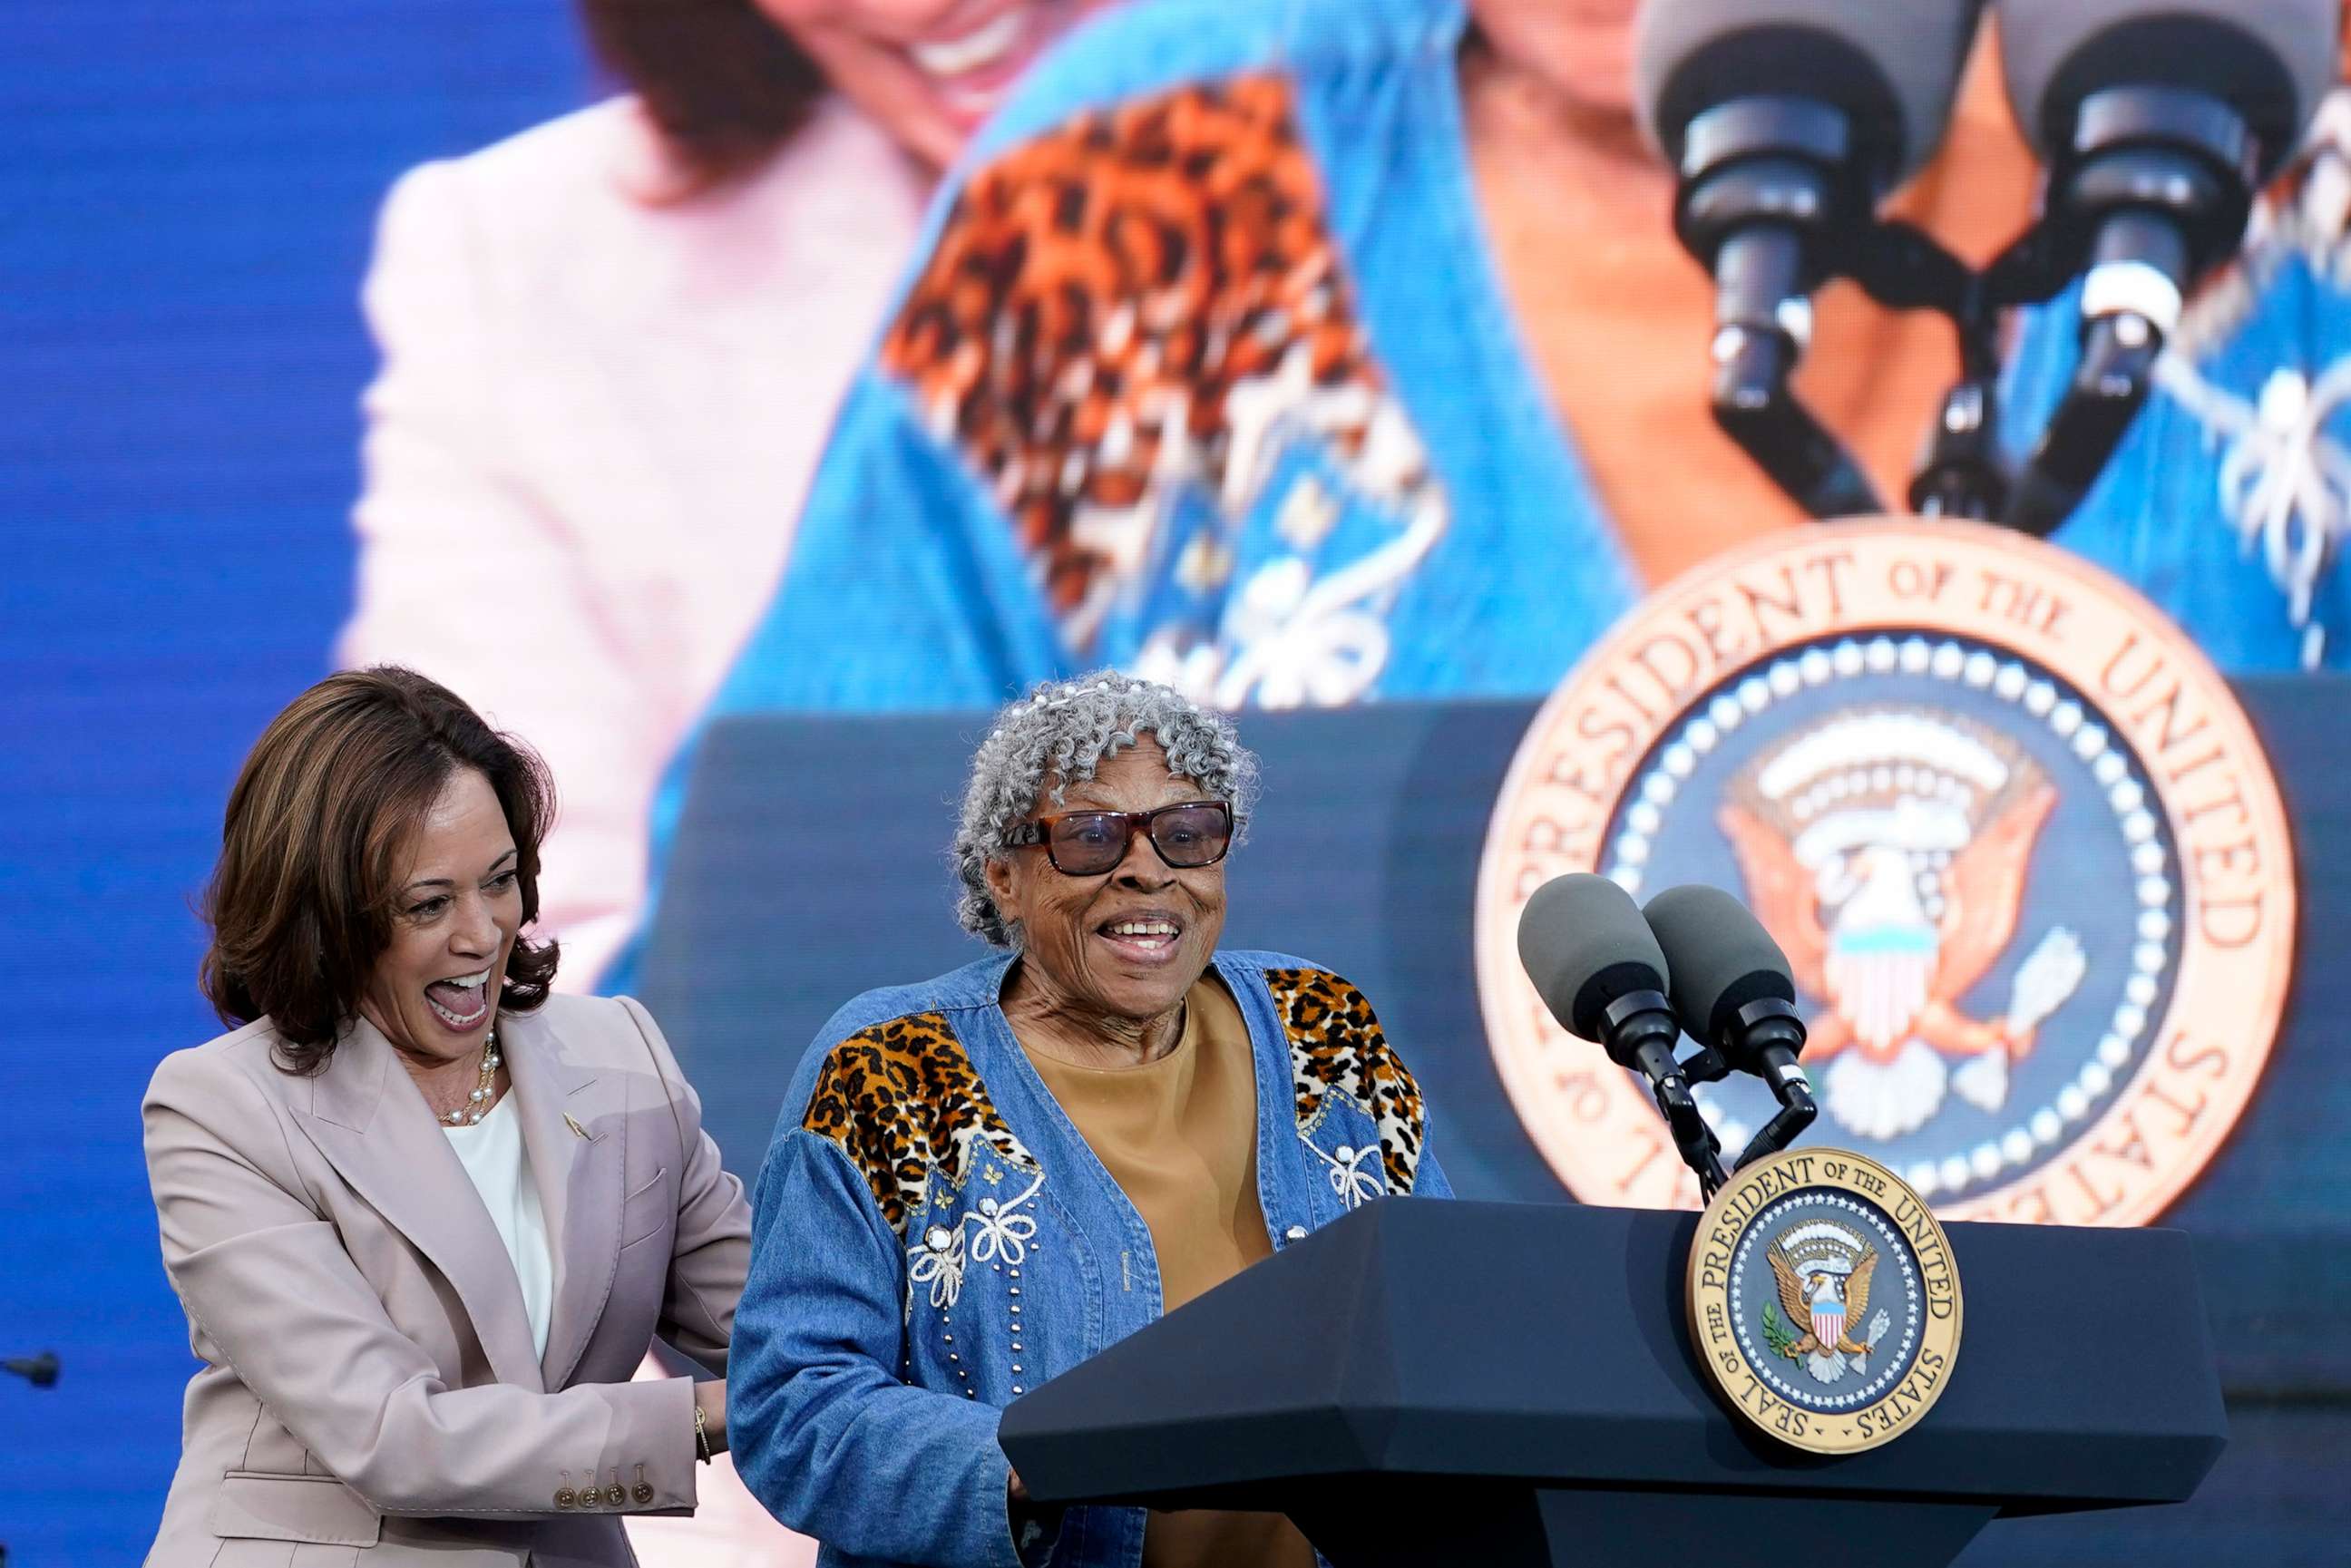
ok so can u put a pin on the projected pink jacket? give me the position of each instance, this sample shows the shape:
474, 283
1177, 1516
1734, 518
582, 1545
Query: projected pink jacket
589, 443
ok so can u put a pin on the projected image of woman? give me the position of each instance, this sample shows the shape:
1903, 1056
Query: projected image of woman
1342, 349
612, 347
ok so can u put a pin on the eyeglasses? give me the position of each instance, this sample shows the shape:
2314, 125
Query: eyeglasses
1189, 835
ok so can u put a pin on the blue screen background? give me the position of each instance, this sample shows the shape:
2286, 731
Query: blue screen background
187, 201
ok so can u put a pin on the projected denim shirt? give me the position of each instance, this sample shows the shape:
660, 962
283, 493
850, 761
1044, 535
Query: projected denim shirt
1261, 424
933, 1238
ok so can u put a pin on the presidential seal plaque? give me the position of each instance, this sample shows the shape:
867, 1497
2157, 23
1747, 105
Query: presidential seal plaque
1823, 1301
2019, 844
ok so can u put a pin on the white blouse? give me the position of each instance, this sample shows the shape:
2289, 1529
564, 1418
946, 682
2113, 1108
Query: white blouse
494, 1156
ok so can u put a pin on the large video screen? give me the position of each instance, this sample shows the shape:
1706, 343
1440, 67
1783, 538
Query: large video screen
741, 401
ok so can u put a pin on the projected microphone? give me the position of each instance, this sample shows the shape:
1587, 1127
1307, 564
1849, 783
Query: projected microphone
1598, 968
1734, 991
1786, 121
2158, 121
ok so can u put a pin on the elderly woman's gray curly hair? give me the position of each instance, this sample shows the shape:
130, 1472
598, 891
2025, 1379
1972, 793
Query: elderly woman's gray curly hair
1065, 729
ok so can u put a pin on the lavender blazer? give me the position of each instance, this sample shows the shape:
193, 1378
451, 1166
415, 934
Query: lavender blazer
368, 1396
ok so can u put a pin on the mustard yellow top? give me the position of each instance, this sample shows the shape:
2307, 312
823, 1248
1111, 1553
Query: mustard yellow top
1179, 1136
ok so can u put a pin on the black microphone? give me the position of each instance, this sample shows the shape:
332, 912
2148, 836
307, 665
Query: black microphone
1786, 122
1598, 968
1733, 989
2158, 121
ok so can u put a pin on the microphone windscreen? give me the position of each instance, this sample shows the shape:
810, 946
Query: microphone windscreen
1584, 944
2271, 60
1892, 66
1720, 957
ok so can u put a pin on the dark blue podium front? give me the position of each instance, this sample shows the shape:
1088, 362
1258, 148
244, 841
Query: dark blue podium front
1501, 1383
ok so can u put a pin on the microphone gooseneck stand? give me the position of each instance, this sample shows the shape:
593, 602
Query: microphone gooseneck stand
1769, 1033
2149, 193
1640, 1029
1699, 1147
1770, 194
2152, 191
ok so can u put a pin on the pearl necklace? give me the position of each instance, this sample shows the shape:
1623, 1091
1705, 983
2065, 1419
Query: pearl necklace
478, 1103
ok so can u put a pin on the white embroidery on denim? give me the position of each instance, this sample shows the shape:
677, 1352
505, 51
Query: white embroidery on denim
1354, 1184
992, 1231
1290, 637
2283, 484
999, 1229
938, 1262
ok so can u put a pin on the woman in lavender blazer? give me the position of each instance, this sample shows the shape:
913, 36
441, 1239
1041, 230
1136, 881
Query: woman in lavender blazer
423, 1216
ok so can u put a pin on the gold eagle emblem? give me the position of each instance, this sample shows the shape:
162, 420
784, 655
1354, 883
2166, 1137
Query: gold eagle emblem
1804, 1297
1886, 852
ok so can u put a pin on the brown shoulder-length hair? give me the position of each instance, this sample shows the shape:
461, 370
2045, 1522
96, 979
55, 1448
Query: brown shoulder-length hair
302, 901
723, 84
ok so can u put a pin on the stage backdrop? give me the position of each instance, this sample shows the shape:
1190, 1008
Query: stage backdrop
188, 201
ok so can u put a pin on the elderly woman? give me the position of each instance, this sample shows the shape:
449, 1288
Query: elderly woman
425, 1219
981, 1180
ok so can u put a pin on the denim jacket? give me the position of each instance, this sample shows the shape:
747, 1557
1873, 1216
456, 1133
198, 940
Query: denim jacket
933, 1238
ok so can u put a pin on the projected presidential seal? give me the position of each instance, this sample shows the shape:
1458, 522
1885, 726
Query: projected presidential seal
1823, 1301
2021, 846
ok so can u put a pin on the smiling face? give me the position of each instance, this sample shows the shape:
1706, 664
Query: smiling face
458, 905
928, 71
1123, 945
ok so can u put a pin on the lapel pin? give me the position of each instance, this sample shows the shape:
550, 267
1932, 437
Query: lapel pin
572, 1122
